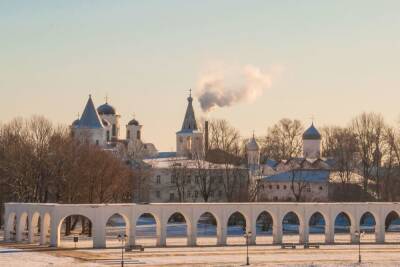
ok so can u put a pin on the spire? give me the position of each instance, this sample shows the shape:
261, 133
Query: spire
90, 118
189, 122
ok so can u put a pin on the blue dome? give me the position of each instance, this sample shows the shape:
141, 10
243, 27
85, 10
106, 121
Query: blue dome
106, 109
311, 134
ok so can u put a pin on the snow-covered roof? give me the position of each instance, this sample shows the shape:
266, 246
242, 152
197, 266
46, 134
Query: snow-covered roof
300, 175
165, 163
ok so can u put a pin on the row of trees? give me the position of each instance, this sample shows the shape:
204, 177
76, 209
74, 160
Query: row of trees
40, 162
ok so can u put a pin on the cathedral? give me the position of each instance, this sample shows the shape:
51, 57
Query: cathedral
101, 127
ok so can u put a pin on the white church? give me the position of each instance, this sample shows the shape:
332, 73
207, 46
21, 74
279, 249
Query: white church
101, 127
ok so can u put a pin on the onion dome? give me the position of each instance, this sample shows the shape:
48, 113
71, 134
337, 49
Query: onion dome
133, 122
311, 133
106, 109
252, 145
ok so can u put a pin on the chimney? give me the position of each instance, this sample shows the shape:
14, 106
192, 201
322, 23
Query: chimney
206, 137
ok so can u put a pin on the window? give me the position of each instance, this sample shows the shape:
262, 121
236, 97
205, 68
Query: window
158, 194
97, 142
321, 188
270, 187
308, 188
114, 130
275, 198
196, 193
158, 179
277, 186
284, 187
171, 196
128, 134
108, 135
138, 135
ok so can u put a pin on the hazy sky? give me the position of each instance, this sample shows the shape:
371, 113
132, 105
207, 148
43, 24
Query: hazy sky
327, 59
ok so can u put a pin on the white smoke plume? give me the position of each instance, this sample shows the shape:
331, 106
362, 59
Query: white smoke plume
232, 85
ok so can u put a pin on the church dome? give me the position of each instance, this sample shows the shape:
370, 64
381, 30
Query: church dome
311, 133
133, 122
252, 145
106, 109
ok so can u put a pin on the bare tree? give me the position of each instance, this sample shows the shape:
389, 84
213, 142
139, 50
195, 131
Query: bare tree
341, 145
298, 184
368, 129
180, 173
205, 177
283, 140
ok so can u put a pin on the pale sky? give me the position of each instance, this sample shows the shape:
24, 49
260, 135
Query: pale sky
336, 59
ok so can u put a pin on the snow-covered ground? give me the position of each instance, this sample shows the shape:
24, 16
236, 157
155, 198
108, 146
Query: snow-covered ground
260, 255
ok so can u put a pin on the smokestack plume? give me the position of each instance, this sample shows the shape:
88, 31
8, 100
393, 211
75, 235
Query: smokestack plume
232, 86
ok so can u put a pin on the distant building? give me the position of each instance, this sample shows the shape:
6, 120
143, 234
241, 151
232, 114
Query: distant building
101, 127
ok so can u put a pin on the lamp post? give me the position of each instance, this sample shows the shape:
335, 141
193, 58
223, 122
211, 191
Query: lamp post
122, 239
247, 235
359, 235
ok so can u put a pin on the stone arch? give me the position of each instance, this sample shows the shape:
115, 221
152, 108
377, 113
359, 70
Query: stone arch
264, 228
178, 229
342, 227
147, 229
11, 227
317, 227
83, 232
207, 228
392, 226
34, 225
237, 225
116, 224
22, 226
291, 223
45, 227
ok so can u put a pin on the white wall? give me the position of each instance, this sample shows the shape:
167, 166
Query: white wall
100, 213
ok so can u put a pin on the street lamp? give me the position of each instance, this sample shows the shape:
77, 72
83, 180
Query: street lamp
359, 235
122, 239
247, 235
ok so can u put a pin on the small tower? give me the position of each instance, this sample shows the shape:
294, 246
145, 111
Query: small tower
189, 140
109, 114
133, 130
311, 143
253, 154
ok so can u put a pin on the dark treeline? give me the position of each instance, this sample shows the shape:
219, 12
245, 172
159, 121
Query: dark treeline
40, 162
